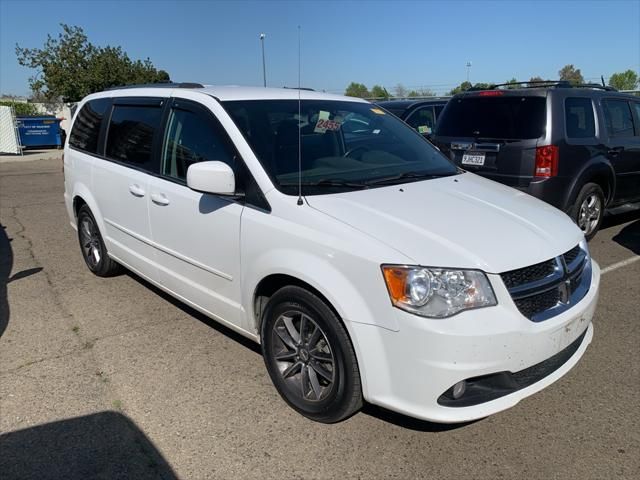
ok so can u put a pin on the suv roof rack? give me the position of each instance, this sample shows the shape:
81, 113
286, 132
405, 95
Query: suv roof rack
160, 85
545, 84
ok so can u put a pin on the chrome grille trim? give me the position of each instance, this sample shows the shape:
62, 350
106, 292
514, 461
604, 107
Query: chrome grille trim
548, 296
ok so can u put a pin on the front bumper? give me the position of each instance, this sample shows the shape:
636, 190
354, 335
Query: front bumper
409, 370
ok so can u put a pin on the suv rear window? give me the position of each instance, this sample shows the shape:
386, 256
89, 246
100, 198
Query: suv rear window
578, 113
508, 117
86, 128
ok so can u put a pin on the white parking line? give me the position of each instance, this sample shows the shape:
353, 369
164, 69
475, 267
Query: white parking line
617, 265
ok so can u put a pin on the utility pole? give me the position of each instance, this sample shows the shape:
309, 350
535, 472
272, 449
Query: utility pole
264, 67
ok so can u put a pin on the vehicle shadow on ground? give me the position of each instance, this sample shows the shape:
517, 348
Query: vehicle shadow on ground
410, 423
253, 346
629, 237
102, 445
6, 264
368, 409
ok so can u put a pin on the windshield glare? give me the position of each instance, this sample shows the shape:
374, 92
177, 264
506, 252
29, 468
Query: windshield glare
345, 145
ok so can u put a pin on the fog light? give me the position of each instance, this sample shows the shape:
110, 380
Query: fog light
459, 389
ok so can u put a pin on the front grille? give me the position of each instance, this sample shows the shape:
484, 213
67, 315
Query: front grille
572, 254
530, 306
536, 272
545, 289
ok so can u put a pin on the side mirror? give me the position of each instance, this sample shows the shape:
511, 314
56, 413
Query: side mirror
211, 177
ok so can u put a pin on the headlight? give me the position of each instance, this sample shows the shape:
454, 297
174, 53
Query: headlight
437, 292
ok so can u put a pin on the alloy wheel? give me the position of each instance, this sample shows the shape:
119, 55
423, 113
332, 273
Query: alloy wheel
589, 214
90, 242
303, 356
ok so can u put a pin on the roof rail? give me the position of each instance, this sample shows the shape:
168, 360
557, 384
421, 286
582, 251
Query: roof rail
159, 85
300, 88
546, 83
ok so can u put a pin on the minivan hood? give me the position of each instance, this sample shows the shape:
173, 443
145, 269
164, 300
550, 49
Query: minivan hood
462, 221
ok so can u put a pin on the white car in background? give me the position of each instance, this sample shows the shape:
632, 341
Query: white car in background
366, 264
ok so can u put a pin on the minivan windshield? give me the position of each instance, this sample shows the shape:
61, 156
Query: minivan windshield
506, 117
344, 145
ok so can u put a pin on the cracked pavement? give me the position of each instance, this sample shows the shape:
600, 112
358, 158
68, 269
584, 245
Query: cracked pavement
111, 378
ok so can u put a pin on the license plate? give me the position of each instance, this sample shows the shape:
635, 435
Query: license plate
473, 159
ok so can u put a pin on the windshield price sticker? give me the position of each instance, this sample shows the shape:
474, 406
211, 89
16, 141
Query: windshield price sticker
325, 124
377, 111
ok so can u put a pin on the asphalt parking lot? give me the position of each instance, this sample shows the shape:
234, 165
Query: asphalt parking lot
110, 378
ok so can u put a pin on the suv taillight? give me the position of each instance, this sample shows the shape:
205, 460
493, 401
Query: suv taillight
546, 161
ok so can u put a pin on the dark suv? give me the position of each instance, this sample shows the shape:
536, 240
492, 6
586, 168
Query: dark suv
419, 114
576, 147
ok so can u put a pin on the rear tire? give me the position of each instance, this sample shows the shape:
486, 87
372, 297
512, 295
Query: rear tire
588, 210
309, 356
92, 246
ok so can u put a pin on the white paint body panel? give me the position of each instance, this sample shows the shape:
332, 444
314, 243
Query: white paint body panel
212, 252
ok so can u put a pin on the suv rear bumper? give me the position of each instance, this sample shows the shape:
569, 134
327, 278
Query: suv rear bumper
554, 190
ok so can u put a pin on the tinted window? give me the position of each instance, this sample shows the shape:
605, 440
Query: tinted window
192, 137
131, 132
617, 117
508, 117
636, 105
439, 109
422, 120
579, 118
86, 128
345, 145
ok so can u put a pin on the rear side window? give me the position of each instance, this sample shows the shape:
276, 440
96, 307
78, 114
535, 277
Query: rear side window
86, 128
422, 120
617, 117
579, 119
636, 105
499, 117
131, 132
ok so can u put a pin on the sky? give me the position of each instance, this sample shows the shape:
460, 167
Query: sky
415, 43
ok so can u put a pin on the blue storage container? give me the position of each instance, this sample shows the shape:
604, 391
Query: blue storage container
42, 131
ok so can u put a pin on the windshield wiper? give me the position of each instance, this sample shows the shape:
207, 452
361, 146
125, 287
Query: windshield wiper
408, 175
329, 182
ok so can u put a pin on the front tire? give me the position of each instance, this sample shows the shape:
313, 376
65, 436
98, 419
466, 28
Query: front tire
92, 246
588, 210
309, 356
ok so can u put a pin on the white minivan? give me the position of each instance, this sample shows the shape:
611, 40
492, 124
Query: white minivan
363, 261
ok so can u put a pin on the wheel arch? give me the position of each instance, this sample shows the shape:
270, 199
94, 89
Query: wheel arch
82, 196
598, 171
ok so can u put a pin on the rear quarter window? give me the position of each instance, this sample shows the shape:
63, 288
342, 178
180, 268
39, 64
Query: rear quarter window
579, 118
617, 117
499, 117
86, 128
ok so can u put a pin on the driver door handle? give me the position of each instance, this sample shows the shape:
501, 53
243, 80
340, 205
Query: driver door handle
615, 151
136, 190
159, 199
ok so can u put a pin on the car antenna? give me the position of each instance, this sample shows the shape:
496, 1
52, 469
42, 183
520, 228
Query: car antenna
602, 79
299, 129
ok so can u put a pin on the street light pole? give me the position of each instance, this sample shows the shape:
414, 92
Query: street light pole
264, 68
468, 68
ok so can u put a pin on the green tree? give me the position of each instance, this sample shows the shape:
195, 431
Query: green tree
379, 92
70, 67
481, 86
510, 83
627, 80
357, 90
460, 88
571, 74
421, 92
21, 108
